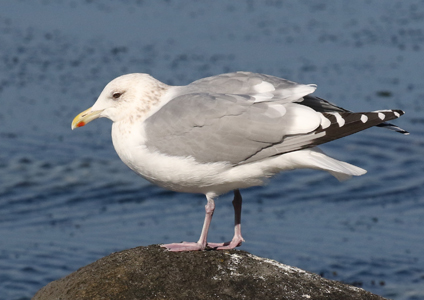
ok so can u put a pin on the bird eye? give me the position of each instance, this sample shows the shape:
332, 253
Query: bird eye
116, 95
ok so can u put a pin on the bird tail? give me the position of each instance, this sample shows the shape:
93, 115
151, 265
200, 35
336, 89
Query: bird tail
315, 158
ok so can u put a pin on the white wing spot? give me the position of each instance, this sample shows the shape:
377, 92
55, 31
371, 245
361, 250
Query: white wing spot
296, 92
364, 118
396, 114
275, 110
264, 87
263, 97
383, 110
325, 123
381, 116
339, 119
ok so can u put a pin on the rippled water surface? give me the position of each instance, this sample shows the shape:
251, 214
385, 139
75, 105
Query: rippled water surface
67, 200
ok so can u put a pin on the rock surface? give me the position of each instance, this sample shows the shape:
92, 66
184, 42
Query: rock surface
153, 273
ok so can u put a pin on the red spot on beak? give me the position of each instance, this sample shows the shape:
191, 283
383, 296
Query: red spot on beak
80, 124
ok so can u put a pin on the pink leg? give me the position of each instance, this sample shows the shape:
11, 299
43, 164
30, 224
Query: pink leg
201, 244
237, 239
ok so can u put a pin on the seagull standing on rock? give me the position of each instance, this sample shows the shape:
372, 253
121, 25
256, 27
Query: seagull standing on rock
223, 133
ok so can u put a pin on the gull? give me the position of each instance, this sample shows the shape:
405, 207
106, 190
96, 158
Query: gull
224, 133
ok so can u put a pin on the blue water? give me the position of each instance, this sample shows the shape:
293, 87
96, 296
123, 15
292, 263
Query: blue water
67, 200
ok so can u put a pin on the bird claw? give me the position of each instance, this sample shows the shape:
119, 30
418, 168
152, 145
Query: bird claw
236, 242
184, 246
191, 246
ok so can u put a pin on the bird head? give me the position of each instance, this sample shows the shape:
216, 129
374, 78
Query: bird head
125, 96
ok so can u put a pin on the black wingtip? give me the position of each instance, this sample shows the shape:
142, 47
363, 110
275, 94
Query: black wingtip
393, 127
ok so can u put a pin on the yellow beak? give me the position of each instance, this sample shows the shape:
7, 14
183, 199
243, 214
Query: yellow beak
85, 117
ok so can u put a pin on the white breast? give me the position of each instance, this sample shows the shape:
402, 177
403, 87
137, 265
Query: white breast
182, 174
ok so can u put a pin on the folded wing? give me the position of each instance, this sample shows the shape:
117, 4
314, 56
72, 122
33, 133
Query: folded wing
245, 117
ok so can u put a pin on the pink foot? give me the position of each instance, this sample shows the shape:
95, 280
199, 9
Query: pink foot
236, 241
184, 246
202, 244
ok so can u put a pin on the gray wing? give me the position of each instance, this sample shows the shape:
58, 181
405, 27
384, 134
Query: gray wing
244, 117
260, 87
269, 88
236, 129
218, 127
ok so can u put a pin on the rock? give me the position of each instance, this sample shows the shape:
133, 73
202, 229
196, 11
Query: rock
154, 273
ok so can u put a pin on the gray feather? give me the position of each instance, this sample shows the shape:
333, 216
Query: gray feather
219, 119
215, 127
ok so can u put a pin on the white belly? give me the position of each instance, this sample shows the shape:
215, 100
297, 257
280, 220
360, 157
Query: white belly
184, 174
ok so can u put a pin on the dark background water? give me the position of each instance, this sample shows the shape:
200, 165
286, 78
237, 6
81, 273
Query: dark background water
66, 199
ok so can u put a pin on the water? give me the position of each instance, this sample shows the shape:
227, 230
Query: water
66, 199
